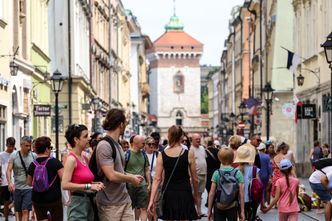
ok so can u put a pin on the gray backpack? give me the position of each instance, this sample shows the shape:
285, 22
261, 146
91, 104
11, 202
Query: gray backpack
227, 190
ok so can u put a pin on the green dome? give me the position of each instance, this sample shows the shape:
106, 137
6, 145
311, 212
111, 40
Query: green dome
174, 24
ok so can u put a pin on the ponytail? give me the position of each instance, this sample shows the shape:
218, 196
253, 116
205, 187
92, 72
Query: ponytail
287, 172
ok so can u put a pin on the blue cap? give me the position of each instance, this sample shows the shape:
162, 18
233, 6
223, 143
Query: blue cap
268, 142
285, 164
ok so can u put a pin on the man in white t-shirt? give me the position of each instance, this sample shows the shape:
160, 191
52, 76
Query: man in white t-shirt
201, 168
4, 192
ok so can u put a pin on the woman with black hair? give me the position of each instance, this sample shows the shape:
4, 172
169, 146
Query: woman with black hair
50, 199
77, 176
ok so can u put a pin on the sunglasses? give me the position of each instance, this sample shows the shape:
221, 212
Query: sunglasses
150, 144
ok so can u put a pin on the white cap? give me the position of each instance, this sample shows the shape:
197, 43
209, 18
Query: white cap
261, 146
216, 142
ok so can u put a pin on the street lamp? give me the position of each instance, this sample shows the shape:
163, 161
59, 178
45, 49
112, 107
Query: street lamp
95, 102
300, 80
268, 94
57, 83
13, 68
328, 54
232, 116
242, 107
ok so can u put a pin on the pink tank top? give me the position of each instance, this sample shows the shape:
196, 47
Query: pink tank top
82, 173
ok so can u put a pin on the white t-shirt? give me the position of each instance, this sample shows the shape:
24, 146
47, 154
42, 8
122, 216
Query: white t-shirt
200, 158
153, 166
317, 174
4, 159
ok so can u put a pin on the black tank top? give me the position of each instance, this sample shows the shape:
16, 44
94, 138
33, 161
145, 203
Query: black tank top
180, 178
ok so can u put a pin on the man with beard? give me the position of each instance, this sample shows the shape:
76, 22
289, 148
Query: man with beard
114, 202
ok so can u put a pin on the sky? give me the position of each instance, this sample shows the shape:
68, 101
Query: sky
207, 21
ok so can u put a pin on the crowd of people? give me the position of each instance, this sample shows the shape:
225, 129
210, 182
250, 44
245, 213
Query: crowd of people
104, 177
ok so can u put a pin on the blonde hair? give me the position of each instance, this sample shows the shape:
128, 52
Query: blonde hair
234, 142
226, 156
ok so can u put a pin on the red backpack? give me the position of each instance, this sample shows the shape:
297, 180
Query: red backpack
255, 187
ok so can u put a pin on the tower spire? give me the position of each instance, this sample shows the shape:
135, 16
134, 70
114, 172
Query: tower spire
174, 23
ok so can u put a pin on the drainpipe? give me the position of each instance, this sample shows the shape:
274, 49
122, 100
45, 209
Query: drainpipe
111, 58
241, 49
233, 72
70, 80
260, 46
90, 47
253, 12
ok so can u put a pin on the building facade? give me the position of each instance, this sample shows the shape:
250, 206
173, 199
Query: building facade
7, 84
314, 69
69, 49
175, 79
139, 86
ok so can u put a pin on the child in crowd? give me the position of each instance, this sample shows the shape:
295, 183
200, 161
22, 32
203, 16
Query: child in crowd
229, 213
286, 193
245, 157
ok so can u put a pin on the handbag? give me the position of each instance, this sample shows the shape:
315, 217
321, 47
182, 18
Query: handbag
161, 202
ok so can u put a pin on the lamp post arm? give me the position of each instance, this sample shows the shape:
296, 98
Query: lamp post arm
316, 73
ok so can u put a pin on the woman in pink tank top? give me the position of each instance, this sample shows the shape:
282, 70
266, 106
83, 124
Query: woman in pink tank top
77, 177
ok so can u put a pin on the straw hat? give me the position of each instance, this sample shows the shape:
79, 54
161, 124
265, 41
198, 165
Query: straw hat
245, 154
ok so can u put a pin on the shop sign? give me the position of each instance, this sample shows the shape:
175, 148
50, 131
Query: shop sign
42, 110
306, 111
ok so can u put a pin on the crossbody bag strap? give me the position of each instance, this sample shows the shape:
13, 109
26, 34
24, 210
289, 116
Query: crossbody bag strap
170, 177
209, 152
23, 164
152, 161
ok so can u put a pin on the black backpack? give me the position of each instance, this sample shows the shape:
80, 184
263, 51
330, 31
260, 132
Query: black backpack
321, 163
93, 160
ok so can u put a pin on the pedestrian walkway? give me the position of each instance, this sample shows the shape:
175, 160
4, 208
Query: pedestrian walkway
311, 215
271, 215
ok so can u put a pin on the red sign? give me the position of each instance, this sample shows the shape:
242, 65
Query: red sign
241, 125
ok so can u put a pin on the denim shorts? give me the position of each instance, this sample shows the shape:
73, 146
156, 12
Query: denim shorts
23, 200
321, 191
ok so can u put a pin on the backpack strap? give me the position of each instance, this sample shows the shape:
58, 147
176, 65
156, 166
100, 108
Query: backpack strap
23, 164
127, 157
111, 142
211, 155
145, 158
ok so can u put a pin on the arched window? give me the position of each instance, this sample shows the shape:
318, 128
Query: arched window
178, 82
178, 118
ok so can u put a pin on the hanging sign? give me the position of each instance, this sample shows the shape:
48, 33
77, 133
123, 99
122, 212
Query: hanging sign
288, 109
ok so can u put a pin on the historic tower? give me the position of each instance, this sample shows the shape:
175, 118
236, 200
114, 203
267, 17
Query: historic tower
175, 79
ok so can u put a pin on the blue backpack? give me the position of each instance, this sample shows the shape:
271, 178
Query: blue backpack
227, 189
40, 176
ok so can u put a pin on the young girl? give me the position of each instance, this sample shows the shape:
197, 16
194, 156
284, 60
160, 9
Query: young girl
286, 193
